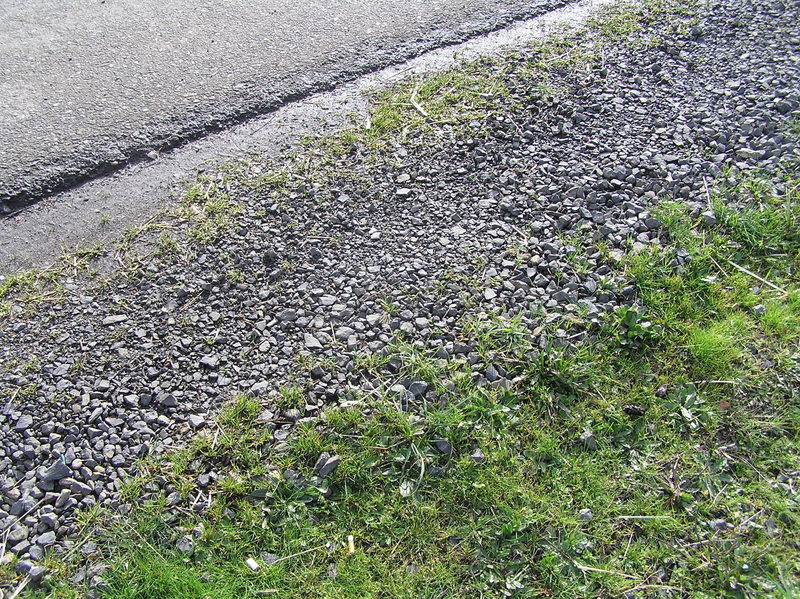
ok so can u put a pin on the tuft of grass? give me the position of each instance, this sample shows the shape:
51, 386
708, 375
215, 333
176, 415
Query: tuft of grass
625, 21
717, 346
454, 97
208, 206
782, 318
290, 396
167, 244
762, 216
26, 290
768, 227
618, 21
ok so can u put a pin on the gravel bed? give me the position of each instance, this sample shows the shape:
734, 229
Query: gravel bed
302, 284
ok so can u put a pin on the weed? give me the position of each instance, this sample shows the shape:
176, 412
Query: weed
632, 331
687, 408
167, 245
235, 276
32, 366
209, 207
389, 307
290, 396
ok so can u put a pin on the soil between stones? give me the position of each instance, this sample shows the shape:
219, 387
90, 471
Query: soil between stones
335, 260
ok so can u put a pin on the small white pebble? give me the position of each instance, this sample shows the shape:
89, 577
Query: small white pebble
251, 563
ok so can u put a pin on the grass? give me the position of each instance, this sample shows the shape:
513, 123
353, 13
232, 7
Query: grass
25, 290
436, 104
762, 221
208, 207
455, 96
627, 22
716, 347
30, 287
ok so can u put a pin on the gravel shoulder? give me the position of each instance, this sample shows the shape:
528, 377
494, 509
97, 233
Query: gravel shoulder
521, 188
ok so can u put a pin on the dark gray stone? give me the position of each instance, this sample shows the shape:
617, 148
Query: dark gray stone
56, 472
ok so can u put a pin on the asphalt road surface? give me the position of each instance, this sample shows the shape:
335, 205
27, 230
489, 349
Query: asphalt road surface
89, 85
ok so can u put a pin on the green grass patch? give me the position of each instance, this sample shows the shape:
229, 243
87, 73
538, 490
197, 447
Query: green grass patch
717, 346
